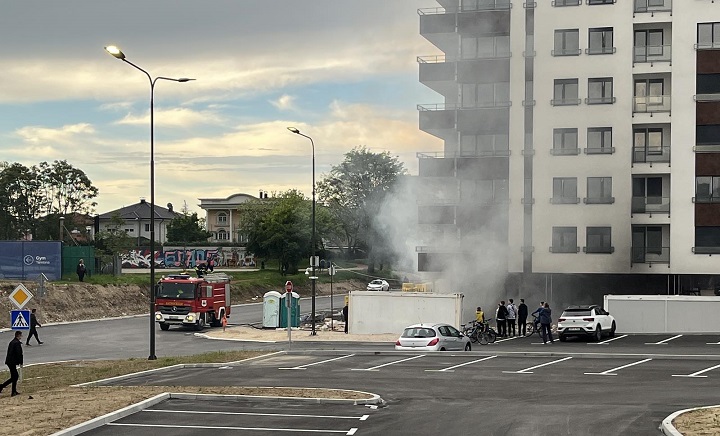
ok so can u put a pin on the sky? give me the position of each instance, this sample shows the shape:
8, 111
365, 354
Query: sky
342, 72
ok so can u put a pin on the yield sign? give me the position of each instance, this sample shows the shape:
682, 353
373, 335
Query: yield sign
20, 296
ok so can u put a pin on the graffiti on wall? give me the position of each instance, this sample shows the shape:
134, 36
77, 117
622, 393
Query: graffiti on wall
188, 257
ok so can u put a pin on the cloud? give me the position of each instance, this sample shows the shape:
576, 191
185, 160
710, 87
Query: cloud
285, 102
174, 117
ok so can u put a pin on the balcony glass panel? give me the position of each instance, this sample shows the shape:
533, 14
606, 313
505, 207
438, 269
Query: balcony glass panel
651, 104
651, 205
651, 154
652, 53
650, 254
642, 6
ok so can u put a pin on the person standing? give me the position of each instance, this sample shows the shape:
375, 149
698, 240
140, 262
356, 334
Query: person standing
500, 317
346, 316
536, 320
522, 317
80, 270
14, 358
34, 324
511, 316
545, 321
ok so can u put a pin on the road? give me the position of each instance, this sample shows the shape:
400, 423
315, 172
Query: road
128, 337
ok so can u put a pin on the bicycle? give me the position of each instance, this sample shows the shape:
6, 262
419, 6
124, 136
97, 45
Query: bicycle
534, 327
479, 332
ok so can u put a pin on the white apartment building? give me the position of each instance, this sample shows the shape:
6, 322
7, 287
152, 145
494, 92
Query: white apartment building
586, 131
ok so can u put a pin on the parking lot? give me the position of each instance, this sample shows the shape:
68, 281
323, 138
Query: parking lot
626, 385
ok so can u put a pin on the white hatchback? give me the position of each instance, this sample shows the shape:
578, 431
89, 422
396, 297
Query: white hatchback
432, 337
588, 321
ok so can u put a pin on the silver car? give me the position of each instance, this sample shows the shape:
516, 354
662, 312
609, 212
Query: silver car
432, 337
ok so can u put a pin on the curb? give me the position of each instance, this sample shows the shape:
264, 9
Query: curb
137, 407
668, 429
206, 336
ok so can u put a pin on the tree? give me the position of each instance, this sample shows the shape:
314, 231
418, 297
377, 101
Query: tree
187, 227
113, 240
67, 189
354, 192
20, 202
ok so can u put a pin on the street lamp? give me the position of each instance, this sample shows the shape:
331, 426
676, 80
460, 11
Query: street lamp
116, 52
313, 277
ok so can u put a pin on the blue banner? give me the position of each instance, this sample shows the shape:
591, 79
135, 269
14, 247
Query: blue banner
28, 259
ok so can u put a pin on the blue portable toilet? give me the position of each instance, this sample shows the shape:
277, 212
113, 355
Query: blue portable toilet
294, 312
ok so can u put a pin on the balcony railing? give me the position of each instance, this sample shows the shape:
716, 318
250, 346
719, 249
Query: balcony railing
565, 249
707, 148
458, 106
598, 250
651, 154
706, 199
650, 254
714, 45
652, 53
600, 150
642, 6
565, 101
432, 59
651, 205
491, 5
566, 52
560, 3
600, 50
463, 154
565, 151
706, 250
565, 200
651, 104
706, 97
599, 200
600, 100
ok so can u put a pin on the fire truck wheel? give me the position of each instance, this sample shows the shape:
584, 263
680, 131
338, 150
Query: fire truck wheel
200, 324
164, 326
216, 322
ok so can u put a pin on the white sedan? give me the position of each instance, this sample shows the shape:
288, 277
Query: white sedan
432, 337
378, 285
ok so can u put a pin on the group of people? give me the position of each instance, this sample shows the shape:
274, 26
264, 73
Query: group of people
512, 320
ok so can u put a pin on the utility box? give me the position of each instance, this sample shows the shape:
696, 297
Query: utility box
294, 310
271, 309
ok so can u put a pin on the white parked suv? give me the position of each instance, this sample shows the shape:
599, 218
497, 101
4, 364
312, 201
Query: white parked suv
588, 321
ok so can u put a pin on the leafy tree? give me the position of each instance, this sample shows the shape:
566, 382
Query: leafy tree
187, 227
19, 202
66, 188
354, 192
113, 240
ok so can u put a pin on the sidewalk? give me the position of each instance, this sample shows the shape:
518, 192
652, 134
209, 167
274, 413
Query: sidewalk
243, 333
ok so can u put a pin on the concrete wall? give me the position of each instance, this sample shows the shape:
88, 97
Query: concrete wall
664, 313
373, 312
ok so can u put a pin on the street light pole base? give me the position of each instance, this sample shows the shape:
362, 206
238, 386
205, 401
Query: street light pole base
152, 357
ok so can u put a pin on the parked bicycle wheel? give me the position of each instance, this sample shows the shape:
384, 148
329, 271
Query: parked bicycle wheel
483, 339
529, 329
491, 335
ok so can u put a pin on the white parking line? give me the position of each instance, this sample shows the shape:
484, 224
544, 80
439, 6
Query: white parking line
506, 339
375, 368
712, 343
528, 370
451, 368
697, 374
318, 363
611, 371
283, 415
608, 341
664, 341
209, 427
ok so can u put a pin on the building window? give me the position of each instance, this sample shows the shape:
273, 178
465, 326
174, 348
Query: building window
707, 189
709, 86
647, 195
647, 245
707, 240
599, 140
564, 240
485, 94
565, 142
649, 46
484, 145
565, 190
600, 41
129, 230
648, 145
708, 35
222, 218
567, 42
559, 3
485, 47
707, 135
598, 240
600, 91
565, 92
222, 235
649, 96
147, 227
600, 2
599, 190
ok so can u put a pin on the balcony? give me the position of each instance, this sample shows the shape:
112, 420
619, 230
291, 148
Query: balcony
488, 5
464, 154
652, 53
457, 106
651, 104
651, 155
707, 199
651, 205
652, 6
650, 255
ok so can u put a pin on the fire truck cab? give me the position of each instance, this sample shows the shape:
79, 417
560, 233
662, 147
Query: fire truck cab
192, 301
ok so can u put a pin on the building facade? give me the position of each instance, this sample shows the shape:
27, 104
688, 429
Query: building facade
222, 217
586, 132
136, 221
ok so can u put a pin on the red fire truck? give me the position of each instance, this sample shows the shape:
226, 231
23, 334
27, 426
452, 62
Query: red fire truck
192, 301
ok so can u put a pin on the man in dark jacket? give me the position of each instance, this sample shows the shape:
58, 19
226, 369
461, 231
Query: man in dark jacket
34, 324
12, 360
500, 317
522, 317
346, 317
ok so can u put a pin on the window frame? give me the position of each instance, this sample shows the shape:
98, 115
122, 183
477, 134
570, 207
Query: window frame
606, 96
560, 148
605, 247
564, 235
606, 135
562, 50
604, 48
563, 99
563, 188
604, 185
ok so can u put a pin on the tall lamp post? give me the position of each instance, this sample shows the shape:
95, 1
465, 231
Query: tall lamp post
313, 277
116, 52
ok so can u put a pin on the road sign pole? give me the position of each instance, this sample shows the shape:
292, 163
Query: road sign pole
331, 270
288, 304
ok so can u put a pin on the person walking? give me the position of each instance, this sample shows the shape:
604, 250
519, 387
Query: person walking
545, 321
14, 358
346, 316
34, 324
80, 270
511, 316
500, 317
522, 317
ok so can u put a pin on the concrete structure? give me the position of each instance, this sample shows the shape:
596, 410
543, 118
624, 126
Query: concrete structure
222, 216
584, 134
372, 312
664, 313
136, 219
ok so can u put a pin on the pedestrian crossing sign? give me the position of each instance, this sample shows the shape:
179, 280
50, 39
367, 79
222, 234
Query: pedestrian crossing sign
20, 320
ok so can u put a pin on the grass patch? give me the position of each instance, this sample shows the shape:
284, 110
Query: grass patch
41, 378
